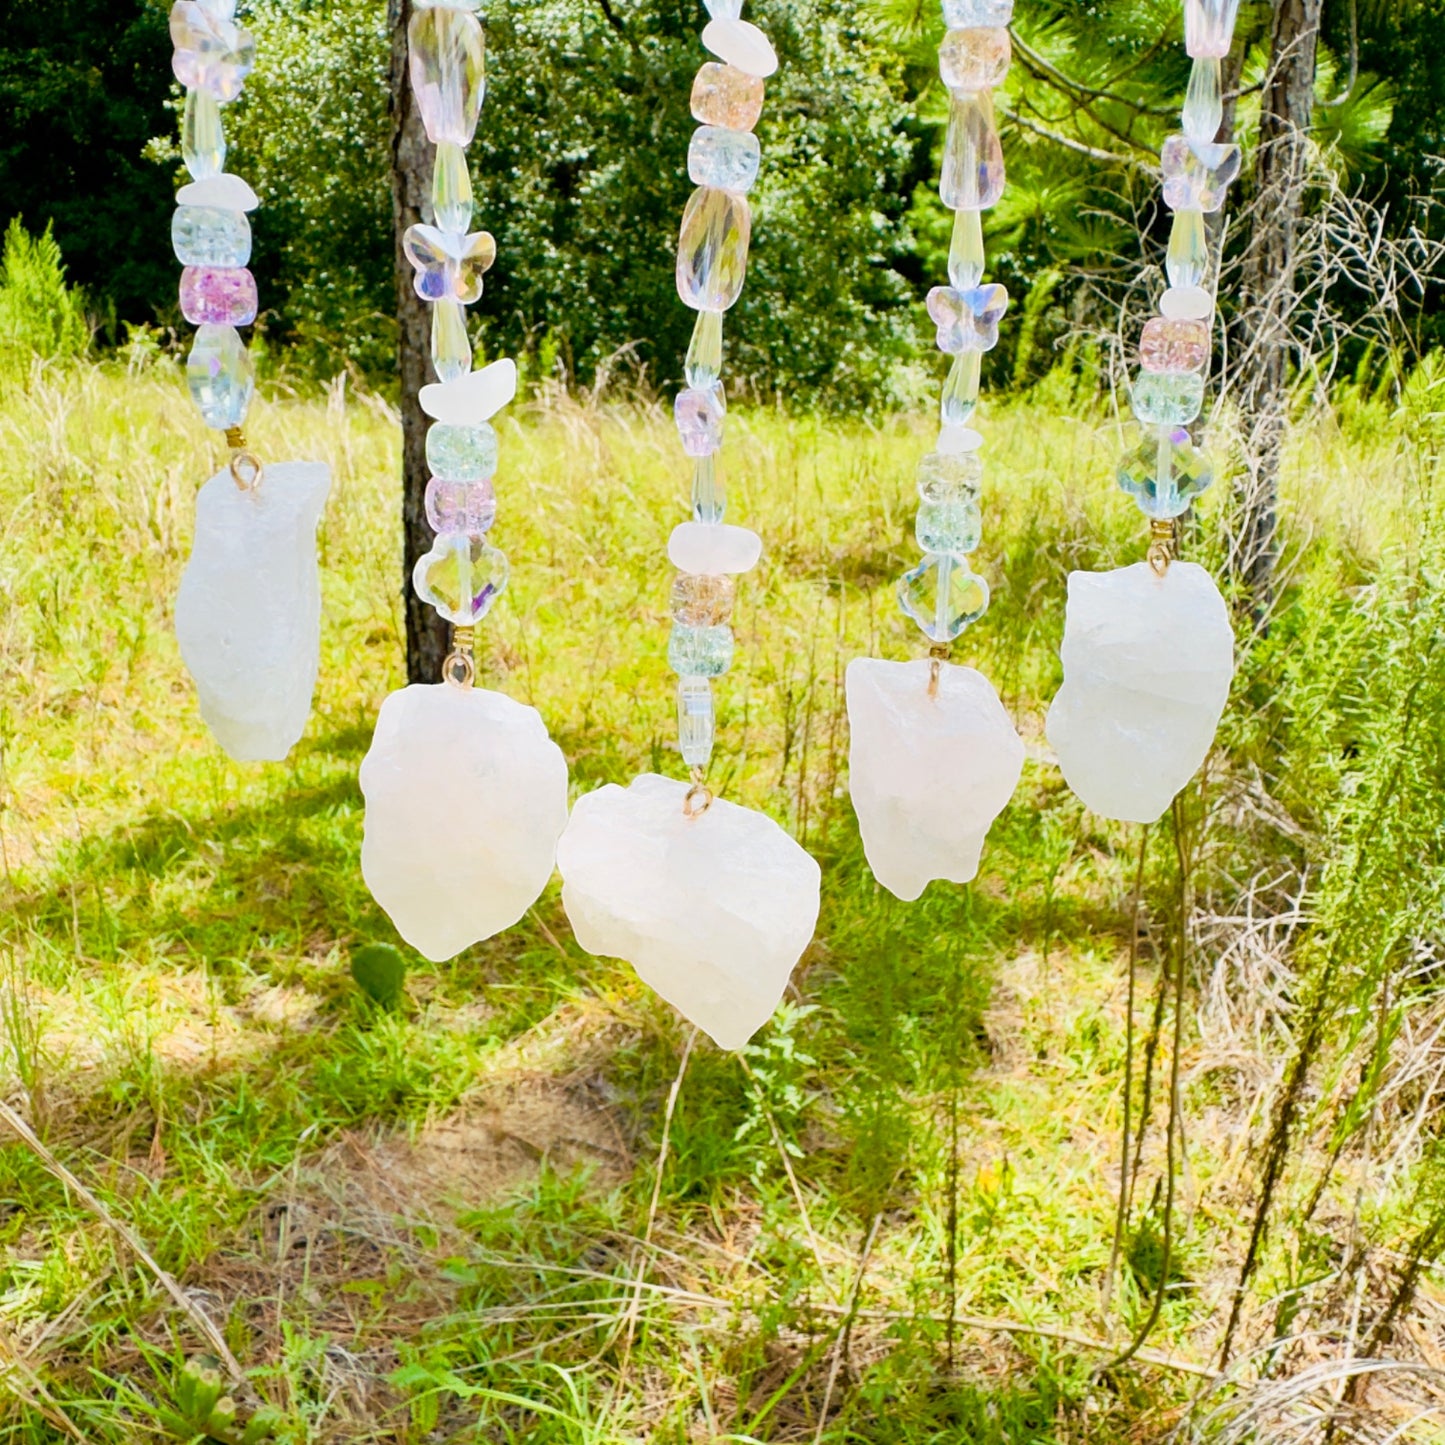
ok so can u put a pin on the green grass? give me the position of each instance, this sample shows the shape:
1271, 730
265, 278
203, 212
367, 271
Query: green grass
425, 1222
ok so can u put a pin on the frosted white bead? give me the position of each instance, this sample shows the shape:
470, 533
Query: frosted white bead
466, 796
473, 398
1186, 303
225, 192
1147, 665
740, 43
928, 774
713, 549
712, 911
248, 613
955, 440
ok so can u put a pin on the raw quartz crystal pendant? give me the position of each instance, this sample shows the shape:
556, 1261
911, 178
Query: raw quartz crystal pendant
1148, 661
248, 614
713, 909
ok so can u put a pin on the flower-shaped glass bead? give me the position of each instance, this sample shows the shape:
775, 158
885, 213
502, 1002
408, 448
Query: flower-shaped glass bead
943, 596
449, 267
967, 320
1165, 472
212, 53
1168, 346
461, 577
1197, 176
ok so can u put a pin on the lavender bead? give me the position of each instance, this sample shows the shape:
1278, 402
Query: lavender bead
699, 413
218, 296
457, 508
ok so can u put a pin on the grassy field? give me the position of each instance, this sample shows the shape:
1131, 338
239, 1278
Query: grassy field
523, 1206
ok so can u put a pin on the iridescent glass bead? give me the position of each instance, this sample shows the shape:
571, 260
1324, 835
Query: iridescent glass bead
966, 257
948, 477
724, 9
712, 249
1166, 345
943, 596
447, 264
461, 577
451, 348
728, 159
973, 170
460, 508
1187, 261
702, 601
703, 365
725, 96
218, 295
699, 413
960, 14
210, 236
967, 320
1165, 472
709, 496
451, 189
1203, 102
221, 376
203, 138
975, 58
1167, 398
695, 720
1209, 27
212, 52
700, 651
960, 389
952, 526
1197, 174
448, 72
461, 453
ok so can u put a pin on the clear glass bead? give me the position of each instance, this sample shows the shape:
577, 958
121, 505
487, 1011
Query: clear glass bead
958, 14
210, 236
951, 526
1166, 345
695, 720
1209, 27
966, 257
451, 189
703, 366
1167, 398
973, 170
212, 52
461, 453
700, 601
960, 389
461, 577
699, 413
948, 477
700, 651
725, 9
967, 320
218, 295
451, 349
221, 377
709, 496
974, 58
712, 249
728, 159
1187, 262
1197, 174
1203, 102
725, 96
465, 508
448, 264
448, 72
203, 138
943, 596
1165, 472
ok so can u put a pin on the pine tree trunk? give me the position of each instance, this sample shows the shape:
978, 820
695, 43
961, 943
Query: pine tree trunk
411, 163
1269, 276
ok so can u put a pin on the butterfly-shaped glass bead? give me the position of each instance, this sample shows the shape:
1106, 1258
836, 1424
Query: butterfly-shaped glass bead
967, 320
212, 53
449, 267
1197, 175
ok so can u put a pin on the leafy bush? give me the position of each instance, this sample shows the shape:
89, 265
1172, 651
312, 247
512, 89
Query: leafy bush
39, 314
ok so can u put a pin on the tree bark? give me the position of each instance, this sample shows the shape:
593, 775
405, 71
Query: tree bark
1269, 285
427, 637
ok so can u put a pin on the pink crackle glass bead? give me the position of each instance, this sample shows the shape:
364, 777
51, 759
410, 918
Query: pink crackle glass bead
460, 508
1174, 346
218, 295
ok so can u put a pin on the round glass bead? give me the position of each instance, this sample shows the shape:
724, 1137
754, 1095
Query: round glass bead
461, 453
700, 651
467, 508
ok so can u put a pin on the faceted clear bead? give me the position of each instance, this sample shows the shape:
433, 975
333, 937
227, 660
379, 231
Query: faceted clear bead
1166, 345
949, 477
218, 295
942, 596
695, 720
712, 249
1165, 472
952, 526
1197, 174
699, 413
973, 172
700, 651
461, 453
703, 366
203, 139
709, 496
467, 508
975, 58
959, 14
1209, 27
699, 601
1203, 102
461, 577
966, 257
451, 349
448, 72
212, 52
725, 9
728, 159
960, 389
725, 96
1167, 398
967, 320
210, 236
451, 189
221, 377
1187, 262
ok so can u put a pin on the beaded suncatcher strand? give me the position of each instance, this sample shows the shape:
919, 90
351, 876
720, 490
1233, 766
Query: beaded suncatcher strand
1148, 650
712, 903
248, 613
466, 795
934, 757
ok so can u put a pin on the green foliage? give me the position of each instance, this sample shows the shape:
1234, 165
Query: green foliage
40, 316
380, 973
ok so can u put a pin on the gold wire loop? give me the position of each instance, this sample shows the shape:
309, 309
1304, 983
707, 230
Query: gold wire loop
699, 797
1162, 542
460, 667
938, 655
247, 471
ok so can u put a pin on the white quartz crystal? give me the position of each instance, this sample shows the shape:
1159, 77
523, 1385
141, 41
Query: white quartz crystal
248, 613
713, 911
741, 44
1147, 665
466, 796
928, 774
473, 398
713, 549
224, 192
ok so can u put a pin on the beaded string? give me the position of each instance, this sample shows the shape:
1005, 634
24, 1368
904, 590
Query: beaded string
712, 254
1166, 471
462, 575
210, 232
943, 595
